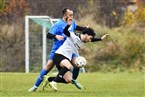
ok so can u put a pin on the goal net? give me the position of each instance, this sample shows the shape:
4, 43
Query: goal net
37, 47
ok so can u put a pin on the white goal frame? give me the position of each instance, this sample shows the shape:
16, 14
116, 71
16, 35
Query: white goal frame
44, 40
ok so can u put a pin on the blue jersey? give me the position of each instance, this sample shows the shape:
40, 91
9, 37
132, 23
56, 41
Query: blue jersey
57, 29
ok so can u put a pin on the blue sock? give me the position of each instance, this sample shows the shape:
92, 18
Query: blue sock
39, 79
75, 73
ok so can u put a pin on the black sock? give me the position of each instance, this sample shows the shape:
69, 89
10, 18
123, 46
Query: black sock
50, 79
59, 77
75, 73
62, 80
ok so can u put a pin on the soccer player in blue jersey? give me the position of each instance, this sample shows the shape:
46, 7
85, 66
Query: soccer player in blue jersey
59, 37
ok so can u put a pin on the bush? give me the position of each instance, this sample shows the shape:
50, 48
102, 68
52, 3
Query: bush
137, 17
122, 50
12, 48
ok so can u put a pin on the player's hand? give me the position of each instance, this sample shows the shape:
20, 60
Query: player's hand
59, 37
104, 36
69, 21
87, 26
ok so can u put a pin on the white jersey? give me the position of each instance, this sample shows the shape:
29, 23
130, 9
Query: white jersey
70, 46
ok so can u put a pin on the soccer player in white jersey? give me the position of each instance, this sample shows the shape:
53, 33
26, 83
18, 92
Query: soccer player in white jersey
62, 57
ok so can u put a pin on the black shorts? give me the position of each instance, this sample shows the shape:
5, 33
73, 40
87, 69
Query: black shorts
57, 58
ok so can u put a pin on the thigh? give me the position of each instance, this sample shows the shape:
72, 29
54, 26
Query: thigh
73, 62
57, 59
49, 65
66, 63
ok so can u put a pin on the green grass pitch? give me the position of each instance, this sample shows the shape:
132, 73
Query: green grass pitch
97, 85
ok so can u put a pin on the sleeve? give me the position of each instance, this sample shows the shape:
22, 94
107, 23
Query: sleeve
79, 28
50, 36
95, 39
54, 30
66, 32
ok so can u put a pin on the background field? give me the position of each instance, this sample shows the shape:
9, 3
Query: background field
97, 85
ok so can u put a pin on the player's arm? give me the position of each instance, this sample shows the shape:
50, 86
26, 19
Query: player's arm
79, 28
99, 39
52, 36
66, 32
95, 39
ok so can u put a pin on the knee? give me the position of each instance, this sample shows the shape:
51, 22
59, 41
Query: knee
68, 81
68, 77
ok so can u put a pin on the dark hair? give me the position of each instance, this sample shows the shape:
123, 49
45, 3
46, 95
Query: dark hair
89, 31
65, 10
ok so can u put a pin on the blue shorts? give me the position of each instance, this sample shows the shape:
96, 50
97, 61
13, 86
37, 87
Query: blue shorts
51, 55
53, 52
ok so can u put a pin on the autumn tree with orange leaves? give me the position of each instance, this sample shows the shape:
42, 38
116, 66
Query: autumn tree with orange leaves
13, 9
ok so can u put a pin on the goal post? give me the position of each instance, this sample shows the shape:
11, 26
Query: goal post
45, 22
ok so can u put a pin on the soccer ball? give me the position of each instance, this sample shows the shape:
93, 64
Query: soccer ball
81, 61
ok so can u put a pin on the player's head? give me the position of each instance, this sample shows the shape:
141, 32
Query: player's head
88, 34
67, 13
